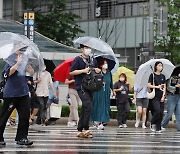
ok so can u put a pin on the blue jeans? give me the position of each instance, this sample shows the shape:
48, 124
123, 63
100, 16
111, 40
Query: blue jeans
172, 101
177, 112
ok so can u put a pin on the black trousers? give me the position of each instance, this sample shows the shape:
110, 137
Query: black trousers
22, 106
41, 117
86, 98
158, 113
123, 111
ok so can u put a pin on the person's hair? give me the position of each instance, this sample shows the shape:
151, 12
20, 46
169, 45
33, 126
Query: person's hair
100, 62
155, 66
82, 46
124, 75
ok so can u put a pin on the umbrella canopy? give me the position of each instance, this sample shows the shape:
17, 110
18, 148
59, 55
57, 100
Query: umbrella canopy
10, 43
176, 71
129, 73
50, 66
144, 71
95, 43
62, 71
111, 60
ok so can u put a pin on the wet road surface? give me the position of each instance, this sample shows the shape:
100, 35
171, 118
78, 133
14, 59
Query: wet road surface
60, 139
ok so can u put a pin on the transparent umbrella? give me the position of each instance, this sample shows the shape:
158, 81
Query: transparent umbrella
95, 43
10, 43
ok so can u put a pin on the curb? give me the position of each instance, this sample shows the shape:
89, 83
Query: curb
113, 122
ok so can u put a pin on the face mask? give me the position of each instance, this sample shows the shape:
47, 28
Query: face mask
121, 79
87, 52
105, 66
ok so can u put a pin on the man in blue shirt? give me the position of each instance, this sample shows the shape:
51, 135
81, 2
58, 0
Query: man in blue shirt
16, 95
79, 70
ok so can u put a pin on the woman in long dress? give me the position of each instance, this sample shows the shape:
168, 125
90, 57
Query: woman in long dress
101, 98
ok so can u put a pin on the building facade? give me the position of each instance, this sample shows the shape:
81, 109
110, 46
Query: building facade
124, 24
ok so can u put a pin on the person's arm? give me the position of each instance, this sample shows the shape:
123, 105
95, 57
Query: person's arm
164, 91
77, 72
15, 66
67, 81
178, 85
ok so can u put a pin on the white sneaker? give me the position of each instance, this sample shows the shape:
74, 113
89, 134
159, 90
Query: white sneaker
120, 126
143, 126
137, 124
100, 127
163, 129
153, 128
158, 131
125, 126
70, 124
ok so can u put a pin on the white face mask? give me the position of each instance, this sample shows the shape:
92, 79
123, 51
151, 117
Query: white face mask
87, 52
105, 66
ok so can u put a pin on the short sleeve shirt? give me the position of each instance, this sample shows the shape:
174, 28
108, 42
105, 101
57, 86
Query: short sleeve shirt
71, 85
122, 96
43, 85
79, 64
16, 84
158, 80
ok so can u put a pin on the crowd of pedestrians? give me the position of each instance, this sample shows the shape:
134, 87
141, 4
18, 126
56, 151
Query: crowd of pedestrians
33, 93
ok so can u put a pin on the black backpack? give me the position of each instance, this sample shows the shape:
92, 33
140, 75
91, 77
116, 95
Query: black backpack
92, 81
2, 84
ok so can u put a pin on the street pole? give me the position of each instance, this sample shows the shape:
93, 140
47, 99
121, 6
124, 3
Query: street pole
1, 9
151, 30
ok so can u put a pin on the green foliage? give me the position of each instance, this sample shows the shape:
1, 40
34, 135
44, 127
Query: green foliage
65, 112
171, 43
57, 24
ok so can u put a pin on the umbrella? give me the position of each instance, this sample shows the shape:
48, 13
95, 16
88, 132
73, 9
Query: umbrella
62, 71
176, 71
95, 43
50, 66
129, 73
10, 43
144, 71
111, 60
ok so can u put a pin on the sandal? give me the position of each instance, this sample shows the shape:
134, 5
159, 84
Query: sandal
80, 135
12, 122
88, 134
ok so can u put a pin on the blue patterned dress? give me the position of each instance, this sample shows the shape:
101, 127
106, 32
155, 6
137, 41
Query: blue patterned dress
101, 100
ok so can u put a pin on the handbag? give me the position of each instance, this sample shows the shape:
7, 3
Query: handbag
151, 95
55, 110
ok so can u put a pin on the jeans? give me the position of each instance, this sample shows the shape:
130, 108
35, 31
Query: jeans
177, 112
86, 98
171, 105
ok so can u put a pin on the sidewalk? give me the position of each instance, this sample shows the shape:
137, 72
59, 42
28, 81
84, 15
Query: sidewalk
113, 122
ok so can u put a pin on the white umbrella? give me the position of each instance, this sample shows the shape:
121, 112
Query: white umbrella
144, 71
95, 43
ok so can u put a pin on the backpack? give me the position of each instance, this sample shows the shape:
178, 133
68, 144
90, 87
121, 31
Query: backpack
2, 84
92, 81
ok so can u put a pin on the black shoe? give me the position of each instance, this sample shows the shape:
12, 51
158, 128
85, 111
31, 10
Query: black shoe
24, 141
2, 143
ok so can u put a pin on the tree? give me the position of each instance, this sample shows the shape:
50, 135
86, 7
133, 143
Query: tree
170, 44
57, 24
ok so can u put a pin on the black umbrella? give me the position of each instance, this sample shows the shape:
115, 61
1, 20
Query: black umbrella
50, 66
109, 58
176, 71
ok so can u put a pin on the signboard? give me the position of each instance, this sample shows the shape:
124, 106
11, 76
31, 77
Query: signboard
29, 25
